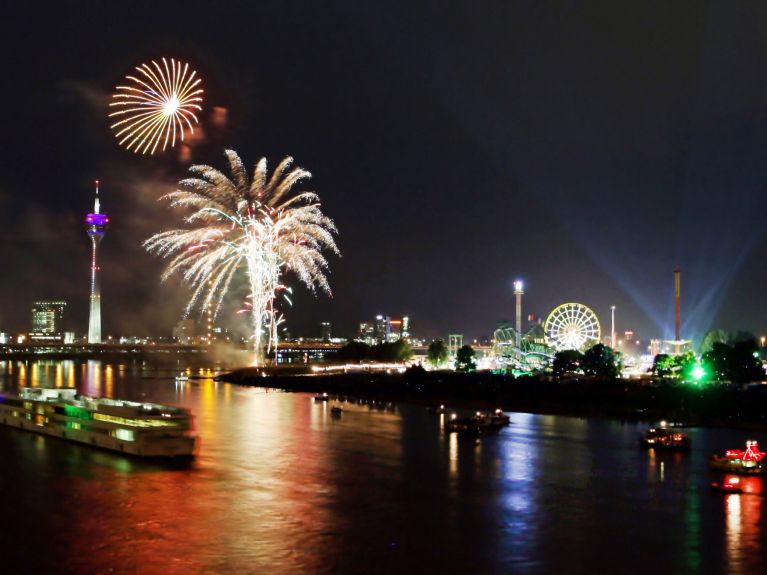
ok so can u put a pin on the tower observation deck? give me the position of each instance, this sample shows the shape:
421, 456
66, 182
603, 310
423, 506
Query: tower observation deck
95, 226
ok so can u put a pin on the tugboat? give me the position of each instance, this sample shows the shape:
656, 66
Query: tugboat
748, 462
665, 437
320, 398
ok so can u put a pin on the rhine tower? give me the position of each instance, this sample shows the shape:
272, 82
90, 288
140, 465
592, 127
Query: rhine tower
95, 227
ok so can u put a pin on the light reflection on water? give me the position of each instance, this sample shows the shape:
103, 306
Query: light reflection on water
281, 486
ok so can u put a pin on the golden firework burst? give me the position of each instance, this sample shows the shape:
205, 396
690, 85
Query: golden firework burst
158, 105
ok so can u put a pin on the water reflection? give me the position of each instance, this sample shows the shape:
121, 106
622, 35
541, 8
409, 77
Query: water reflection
281, 487
744, 538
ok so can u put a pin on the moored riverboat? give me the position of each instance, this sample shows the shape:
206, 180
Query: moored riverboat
665, 437
135, 428
747, 462
478, 423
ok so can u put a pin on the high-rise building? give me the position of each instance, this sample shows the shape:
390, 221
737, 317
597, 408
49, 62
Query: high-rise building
47, 321
367, 332
95, 227
404, 332
382, 328
325, 331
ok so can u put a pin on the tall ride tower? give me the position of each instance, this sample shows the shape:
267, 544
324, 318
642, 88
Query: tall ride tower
95, 226
518, 293
678, 309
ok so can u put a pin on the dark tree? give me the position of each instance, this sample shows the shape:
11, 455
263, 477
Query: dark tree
717, 361
745, 365
354, 351
663, 365
601, 361
712, 336
566, 361
464, 359
437, 353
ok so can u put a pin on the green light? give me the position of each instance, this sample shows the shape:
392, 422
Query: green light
698, 373
72, 411
756, 354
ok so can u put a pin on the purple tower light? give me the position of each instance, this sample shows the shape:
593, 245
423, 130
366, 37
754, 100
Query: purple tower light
95, 227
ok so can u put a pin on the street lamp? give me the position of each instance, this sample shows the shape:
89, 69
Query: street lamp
612, 326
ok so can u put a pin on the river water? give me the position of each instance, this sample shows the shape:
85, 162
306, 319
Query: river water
281, 486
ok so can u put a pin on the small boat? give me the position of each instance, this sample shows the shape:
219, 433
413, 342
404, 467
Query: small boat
323, 397
336, 410
748, 462
732, 485
665, 437
478, 423
499, 417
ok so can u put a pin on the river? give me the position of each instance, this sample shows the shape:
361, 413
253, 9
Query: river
281, 486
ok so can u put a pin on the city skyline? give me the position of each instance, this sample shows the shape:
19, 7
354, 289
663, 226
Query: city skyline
598, 212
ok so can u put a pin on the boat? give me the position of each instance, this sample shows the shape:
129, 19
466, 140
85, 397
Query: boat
748, 462
135, 428
336, 410
499, 417
665, 437
478, 423
320, 398
438, 410
182, 378
732, 485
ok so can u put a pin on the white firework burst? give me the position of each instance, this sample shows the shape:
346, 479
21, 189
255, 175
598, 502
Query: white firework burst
259, 226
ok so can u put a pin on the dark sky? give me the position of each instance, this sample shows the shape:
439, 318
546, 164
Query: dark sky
587, 148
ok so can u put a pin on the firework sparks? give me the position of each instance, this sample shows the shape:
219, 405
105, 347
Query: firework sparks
159, 105
258, 226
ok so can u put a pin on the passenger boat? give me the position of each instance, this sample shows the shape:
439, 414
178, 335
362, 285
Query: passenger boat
748, 462
143, 429
478, 423
665, 437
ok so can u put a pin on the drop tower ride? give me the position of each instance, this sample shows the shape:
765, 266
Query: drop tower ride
95, 227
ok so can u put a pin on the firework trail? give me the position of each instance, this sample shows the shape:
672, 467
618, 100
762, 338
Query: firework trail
158, 106
258, 226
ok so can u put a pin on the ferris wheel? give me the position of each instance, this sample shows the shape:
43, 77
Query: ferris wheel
572, 326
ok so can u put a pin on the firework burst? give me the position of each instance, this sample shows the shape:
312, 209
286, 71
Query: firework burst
158, 105
258, 226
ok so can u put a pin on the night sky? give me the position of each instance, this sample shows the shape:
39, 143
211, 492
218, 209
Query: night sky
587, 148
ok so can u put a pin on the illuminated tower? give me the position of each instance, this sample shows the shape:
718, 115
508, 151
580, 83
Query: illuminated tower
678, 301
95, 226
519, 292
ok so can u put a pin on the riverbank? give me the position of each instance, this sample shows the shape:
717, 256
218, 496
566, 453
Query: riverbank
711, 405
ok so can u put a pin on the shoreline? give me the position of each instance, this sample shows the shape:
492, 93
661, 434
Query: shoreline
713, 406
